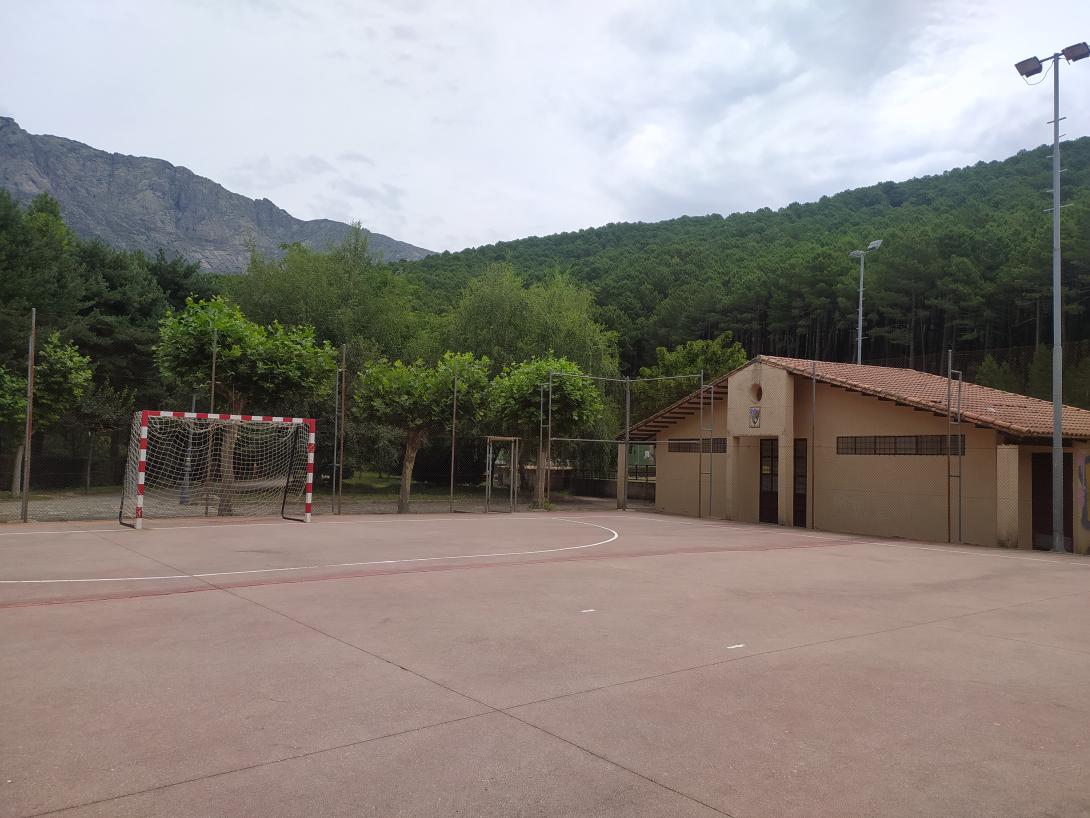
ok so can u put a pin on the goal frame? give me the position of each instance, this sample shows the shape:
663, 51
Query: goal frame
145, 416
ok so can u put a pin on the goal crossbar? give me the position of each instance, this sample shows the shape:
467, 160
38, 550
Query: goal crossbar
183, 464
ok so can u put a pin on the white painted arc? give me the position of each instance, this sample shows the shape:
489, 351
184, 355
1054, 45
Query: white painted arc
613, 536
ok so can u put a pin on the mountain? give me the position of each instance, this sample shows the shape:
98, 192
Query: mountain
139, 203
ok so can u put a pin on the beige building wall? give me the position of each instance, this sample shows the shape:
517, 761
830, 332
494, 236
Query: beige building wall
680, 488
770, 390
899, 495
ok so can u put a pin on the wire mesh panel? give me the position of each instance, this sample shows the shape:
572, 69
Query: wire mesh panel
185, 464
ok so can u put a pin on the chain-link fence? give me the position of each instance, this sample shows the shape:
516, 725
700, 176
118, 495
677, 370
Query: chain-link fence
76, 473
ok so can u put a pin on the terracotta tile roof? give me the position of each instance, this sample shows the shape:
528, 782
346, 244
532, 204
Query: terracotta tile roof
1009, 412
1018, 415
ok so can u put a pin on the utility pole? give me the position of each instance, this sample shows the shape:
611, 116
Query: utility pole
25, 500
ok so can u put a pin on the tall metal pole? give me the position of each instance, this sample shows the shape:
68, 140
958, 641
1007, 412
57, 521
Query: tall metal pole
336, 439
453, 438
343, 423
25, 499
627, 438
540, 480
1057, 346
859, 322
549, 444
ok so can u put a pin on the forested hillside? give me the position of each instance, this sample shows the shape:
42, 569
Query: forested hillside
965, 263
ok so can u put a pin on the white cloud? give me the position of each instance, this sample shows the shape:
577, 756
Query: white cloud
449, 125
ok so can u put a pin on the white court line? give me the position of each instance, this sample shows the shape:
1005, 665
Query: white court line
610, 539
734, 647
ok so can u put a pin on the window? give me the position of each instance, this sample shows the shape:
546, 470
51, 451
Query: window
900, 444
691, 445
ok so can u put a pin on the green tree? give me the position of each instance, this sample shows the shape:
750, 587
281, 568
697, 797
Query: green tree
61, 376
1039, 376
514, 400
101, 409
258, 369
714, 358
342, 292
417, 399
500, 318
997, 375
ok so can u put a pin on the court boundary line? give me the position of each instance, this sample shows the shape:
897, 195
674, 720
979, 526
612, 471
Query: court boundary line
209, 574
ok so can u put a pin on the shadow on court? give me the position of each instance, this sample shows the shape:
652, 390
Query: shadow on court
591, 663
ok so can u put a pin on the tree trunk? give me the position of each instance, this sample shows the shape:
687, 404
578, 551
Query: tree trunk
413, 442
17, 472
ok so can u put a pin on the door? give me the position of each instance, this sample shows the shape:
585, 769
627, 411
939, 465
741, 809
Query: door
1042, 500
800, 483
770, 480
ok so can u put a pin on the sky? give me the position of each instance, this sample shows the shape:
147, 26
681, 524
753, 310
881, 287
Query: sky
461, 123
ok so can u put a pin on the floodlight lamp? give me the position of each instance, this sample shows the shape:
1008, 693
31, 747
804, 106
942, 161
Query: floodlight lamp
874, 245
855, 253
1078, 51
1028, 67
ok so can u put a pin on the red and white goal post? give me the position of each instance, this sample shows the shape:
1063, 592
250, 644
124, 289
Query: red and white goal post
196, 464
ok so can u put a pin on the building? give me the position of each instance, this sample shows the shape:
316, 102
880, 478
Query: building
870, 450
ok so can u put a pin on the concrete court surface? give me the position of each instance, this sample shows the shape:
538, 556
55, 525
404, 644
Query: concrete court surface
608, 664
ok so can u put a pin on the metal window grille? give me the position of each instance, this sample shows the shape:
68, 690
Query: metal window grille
899, 445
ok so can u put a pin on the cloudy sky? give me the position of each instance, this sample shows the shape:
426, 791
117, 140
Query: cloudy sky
459, 123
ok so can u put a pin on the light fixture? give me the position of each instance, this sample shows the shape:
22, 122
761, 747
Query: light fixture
1076, 52
874, 245
1029, 67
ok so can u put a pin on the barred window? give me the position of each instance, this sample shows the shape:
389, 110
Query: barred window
691, 445
900, 444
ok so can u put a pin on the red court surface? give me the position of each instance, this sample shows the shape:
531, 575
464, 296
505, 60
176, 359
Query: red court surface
606, 664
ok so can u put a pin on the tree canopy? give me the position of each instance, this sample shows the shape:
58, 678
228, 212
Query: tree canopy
418, 400
259, 369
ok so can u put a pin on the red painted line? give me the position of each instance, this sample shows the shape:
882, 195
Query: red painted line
422, 569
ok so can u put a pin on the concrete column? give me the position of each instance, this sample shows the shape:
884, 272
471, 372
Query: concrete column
622, 476
1006, 496
786, 485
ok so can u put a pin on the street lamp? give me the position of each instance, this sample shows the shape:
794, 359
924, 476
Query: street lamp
1028, 68
862, 255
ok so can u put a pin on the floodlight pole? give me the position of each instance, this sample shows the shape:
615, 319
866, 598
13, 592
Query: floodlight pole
1057, 332
859, 320
862, 255
1028, 68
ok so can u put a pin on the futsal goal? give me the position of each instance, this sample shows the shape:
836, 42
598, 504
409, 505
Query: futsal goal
195, 464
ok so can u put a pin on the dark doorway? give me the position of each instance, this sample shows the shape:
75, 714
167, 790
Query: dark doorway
1042, 501
770, 480
799, 516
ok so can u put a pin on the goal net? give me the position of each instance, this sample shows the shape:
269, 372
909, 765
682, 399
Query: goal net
193, 464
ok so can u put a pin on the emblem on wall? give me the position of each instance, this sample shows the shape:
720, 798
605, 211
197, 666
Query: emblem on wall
755, 417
